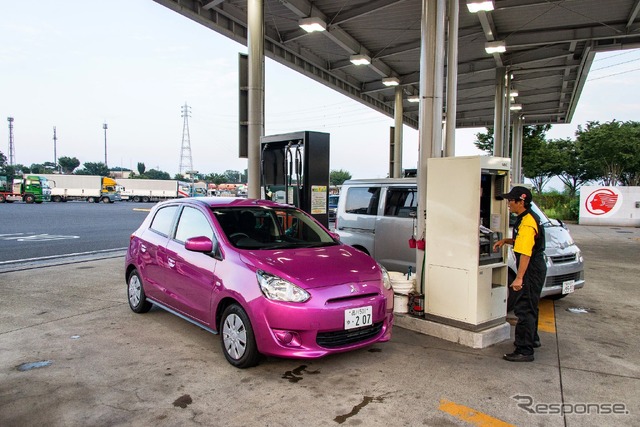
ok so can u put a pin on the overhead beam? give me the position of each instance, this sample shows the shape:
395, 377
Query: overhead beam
634, 13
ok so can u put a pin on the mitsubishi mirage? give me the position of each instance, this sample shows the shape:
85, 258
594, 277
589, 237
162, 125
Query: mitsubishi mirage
268, 277
378, 217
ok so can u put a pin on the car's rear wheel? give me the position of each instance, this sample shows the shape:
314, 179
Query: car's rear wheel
237, 338
137, 299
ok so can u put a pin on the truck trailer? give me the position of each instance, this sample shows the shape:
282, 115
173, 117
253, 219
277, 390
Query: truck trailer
152, 190
28, 188
90, 188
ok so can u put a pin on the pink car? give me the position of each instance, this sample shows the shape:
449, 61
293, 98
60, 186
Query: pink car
268, 277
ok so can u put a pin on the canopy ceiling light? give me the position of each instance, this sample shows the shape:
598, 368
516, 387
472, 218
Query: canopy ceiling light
476, 6
414, 98
360, 59
312, 24
515, 107
495, 47
513, 93
391, 81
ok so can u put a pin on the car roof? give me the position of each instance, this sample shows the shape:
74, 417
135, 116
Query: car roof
380, 181
239, 202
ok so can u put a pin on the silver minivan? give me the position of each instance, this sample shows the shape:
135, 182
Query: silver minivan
378, 216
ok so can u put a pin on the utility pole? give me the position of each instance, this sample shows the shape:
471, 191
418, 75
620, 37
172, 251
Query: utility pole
12, 149
55, 155
104, 126
186, 161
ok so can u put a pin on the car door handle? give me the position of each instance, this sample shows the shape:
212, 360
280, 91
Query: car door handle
143, 248
171, 262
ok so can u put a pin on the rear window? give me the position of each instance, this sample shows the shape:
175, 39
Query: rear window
163, 220
362, 200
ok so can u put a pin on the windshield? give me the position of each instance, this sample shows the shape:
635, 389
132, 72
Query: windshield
269, 228
544, 219
44, 183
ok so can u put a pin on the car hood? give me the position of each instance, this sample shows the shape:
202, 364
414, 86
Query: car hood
557, 237
315, 267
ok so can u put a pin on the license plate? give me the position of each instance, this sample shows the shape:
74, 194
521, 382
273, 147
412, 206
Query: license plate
358, 317
568, 286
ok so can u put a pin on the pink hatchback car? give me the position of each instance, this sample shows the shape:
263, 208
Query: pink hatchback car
267, 276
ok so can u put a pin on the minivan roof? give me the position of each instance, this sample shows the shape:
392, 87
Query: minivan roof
381, 181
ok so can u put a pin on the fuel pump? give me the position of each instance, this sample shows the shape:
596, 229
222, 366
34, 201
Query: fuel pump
295, 171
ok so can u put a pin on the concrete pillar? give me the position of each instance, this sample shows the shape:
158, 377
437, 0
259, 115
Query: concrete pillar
507, 115
255, 93
430, 113
398, 112
452, 79
516, 150
498, 116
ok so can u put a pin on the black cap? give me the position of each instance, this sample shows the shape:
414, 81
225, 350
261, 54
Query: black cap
517, 193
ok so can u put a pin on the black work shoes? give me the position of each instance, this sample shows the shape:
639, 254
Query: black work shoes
517, 357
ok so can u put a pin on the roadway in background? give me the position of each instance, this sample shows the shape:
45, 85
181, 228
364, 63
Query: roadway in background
54, 230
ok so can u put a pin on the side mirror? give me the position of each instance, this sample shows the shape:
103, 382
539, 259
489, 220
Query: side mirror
199, 244
336, 236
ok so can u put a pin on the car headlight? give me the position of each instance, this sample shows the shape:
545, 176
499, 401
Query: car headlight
386, 279
579, 256
278, 289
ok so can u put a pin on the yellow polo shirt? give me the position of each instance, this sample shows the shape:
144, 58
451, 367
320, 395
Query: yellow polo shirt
527, 233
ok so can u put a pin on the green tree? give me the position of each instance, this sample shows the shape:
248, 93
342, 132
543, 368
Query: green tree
232, 176
338, 177
612, 151
90, 168
215, 178
156, 174
68, 164
538, 162
46, 167
141, 168
570, 168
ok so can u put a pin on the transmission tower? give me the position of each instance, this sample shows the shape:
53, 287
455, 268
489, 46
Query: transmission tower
186, 161
12, 148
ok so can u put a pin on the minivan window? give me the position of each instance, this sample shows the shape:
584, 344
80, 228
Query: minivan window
362, 200
192, 223
163, 220
401, 202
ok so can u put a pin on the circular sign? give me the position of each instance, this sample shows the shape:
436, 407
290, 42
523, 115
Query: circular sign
603, 201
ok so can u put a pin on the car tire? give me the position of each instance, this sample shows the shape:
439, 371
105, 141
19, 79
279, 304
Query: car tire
135, 294
56, 199
29, 198
91, 200
105, 200
237, 338
2, 199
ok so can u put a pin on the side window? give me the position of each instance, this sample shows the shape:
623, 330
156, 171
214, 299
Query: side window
361, 200
193, 223
163, 220
401, 202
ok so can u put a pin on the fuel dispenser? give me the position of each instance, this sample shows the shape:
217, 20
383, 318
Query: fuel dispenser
465, 281
295, 171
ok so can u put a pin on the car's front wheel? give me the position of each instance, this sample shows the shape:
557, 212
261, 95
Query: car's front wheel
238, 342
137, 299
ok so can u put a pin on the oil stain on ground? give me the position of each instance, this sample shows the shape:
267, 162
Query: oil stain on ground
365, 401
296, 375
183, 401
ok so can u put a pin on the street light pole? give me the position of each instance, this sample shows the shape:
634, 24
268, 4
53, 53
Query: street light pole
104, 126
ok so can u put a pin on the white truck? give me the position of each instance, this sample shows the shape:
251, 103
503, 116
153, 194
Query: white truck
90, 188
152, 190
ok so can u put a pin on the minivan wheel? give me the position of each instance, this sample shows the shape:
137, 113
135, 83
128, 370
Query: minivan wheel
137, 299
238, 341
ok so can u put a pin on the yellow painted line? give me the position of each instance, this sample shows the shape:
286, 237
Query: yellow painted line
546, 316
471, 416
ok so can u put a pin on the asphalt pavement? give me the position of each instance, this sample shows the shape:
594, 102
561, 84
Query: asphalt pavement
73, 354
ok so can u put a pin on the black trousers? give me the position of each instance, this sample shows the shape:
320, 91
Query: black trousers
526, 305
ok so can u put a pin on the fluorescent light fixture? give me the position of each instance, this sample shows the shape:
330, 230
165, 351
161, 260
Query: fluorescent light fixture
360, 59
515, 107
414, 98
495, 47
312, 24
476, 6
391, 81
513, 93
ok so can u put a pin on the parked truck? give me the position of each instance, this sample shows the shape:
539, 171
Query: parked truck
153, 190
90, 188
28, 188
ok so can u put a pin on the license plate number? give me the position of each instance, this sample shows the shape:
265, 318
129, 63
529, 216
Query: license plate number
568, 286
358, 317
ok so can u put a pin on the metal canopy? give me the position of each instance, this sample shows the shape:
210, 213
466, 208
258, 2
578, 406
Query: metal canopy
550, 47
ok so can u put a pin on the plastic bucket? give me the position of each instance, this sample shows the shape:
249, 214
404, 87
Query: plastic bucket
401, 289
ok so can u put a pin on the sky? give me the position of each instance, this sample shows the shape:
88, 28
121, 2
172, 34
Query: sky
134, 63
